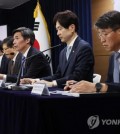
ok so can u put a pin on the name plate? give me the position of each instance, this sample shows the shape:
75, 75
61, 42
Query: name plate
40, 89
2, 83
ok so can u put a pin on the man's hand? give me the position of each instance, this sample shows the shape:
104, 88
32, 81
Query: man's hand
27, 81
83, 87
69, 84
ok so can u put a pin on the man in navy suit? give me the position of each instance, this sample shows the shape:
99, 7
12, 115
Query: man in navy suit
36, 66
76, 61
108, 28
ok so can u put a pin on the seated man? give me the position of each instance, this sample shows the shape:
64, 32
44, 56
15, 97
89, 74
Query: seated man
36, 64
14, 56
76, 61
108, 27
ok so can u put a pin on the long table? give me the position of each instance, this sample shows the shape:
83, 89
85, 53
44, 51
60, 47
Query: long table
24, 113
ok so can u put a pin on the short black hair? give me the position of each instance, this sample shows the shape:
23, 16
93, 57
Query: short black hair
110, 19
8, 41
26, 33
66, 18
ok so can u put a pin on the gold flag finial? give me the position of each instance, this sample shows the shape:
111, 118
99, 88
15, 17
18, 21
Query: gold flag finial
36, 10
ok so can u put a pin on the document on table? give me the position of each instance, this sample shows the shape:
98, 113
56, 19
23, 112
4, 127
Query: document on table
68, 93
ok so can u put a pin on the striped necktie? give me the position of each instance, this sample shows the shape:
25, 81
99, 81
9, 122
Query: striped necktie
12, 66
23, 65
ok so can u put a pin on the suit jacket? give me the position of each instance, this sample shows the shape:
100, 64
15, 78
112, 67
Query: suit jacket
110, 69
16, 66
112, 87
4, 65
35, 67
79, 65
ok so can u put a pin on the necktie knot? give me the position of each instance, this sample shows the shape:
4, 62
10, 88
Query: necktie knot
23, 58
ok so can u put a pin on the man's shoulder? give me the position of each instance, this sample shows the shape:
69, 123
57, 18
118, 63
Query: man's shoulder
33, 50
79, 42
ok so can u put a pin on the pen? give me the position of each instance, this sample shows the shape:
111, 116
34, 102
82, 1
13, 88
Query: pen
72, 83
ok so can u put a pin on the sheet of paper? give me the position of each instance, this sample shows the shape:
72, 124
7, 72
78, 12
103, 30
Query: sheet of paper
65, 93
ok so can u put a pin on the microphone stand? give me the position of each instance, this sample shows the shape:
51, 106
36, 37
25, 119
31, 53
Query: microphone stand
17, 84
23, 87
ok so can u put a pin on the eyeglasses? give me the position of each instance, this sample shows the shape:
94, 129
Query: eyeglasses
104, 34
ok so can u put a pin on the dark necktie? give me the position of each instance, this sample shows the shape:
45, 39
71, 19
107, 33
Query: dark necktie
12, 66
116, 68
23, 65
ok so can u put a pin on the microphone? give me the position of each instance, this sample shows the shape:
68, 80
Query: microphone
17, 84
43, 51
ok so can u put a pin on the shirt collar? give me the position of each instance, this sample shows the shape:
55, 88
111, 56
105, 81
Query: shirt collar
72, 42
26, 52
119, 51
1, 56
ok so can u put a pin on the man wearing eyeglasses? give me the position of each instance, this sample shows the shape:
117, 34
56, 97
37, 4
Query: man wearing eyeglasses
108, 28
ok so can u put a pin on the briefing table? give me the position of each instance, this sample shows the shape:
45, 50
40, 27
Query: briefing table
24, 113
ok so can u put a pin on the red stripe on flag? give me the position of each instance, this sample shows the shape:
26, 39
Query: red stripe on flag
36, 44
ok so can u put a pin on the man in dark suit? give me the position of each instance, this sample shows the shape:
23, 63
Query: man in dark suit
76, 61
34, 67
108, 27
3, 61
14, 57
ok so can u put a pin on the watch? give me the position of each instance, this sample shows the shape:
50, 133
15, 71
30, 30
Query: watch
98, 87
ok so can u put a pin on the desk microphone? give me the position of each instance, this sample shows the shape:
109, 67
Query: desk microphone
17, 85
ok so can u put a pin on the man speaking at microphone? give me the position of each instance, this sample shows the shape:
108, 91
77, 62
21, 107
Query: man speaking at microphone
35, 66
76, 61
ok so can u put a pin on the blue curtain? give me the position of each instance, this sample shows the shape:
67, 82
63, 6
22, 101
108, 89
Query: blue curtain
83, 10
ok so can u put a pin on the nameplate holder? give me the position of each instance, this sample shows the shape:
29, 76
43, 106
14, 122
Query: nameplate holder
2, 83
40, 89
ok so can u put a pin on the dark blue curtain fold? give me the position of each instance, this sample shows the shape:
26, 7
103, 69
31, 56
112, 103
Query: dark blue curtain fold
23, 16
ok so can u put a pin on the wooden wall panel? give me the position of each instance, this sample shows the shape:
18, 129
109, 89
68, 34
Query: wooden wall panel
99, 7
101, 66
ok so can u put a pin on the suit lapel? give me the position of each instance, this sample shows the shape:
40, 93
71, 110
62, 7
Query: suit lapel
30, 53
72, 54
64, 61
9, 67
17, 63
